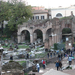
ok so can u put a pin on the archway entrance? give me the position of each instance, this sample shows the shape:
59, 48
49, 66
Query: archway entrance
48, 33
38, 35
66, 32
25, 36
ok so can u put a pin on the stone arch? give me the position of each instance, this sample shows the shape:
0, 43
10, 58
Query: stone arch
48, 33
66, 32
20, 31
25, 36
37, 34
25, 29
59, 15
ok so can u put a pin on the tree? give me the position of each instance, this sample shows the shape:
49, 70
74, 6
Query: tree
66, 31
15, 12
19, 13
3, 14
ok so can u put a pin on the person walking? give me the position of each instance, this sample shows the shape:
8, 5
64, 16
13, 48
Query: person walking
59, 57
11, 57
38, 66
60, 65
51, 54
48, 54
54, 53
57, 65
70, 59
27, 56
44, 64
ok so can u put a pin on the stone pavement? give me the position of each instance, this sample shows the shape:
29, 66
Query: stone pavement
54, 72
52, 66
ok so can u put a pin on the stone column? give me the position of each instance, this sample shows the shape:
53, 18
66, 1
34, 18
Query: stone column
35, 37
19, 38
46, 44
44, 37
55, 38
31, 38
72, 40
50, 41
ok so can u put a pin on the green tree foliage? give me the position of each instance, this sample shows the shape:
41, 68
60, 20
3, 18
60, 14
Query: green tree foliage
7, 31
15, 12
18, 13
3, 11
55, 46
66, 31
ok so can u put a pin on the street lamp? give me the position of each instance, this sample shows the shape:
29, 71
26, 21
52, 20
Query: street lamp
1, 58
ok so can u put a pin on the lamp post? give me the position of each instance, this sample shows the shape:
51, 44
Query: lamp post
1, 58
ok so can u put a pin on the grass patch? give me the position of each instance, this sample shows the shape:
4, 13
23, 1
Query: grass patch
41, 55
5, 46
25, 74
22, 46
21, 62
68, 67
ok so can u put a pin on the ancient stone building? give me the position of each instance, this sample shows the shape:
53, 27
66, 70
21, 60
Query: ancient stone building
49, 29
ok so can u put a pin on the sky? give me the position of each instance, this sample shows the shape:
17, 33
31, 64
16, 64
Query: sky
51, 3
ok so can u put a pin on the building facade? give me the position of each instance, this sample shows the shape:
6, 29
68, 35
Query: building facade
62, 12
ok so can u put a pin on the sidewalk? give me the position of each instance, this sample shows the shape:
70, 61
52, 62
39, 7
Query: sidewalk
52, 66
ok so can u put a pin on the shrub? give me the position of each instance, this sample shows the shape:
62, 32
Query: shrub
55, 46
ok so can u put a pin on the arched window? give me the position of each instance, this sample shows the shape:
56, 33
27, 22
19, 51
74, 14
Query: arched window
59, 15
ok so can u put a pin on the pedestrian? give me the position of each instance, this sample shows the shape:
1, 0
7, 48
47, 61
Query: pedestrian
57, 65
60, 65
44, 64
42, 60
70, 59
54, 53
51, 54
27, 56
11, 57
38, 66
48, 54
71, 53
59, 57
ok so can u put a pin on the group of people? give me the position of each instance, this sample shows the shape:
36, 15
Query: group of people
51, 54
70, 54
59, 65
60, 56
43, 64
